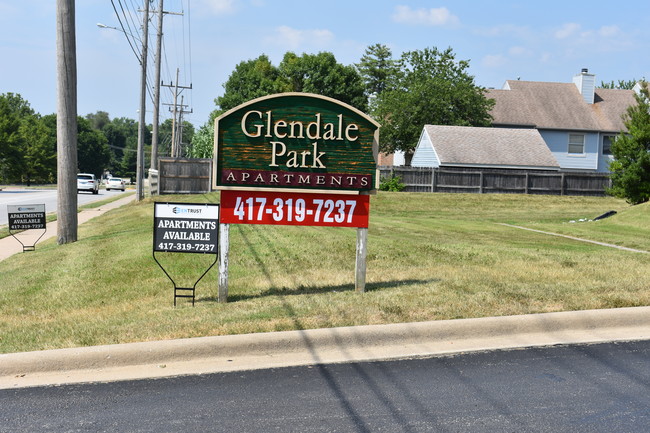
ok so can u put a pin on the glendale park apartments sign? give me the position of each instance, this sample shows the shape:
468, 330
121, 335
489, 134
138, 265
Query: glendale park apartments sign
296, 141
295, 159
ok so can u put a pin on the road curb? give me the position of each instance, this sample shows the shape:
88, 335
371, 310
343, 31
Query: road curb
345, 344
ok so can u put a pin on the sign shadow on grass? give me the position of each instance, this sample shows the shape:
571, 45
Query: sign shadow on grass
311, 290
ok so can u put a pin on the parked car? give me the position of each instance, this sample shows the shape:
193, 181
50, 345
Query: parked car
87, 182
115, 183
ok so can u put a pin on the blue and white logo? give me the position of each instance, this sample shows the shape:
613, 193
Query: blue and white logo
182, 210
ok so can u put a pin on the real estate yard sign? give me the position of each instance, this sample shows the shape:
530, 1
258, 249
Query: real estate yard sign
26, 217
185, 228
298, 141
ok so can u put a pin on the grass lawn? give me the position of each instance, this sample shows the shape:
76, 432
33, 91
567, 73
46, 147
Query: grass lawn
430, 257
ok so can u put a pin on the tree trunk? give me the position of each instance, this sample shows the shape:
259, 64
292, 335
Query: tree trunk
66, 122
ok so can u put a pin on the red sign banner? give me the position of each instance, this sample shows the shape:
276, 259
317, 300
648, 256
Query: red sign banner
298, 209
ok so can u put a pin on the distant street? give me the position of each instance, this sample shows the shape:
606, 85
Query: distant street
48, 197
582, 388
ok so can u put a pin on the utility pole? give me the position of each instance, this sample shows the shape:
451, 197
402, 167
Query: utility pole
175, 150
156, 100
139, 172
66, 122
178, 136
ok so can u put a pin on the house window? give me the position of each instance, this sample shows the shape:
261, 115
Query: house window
607, 144
576, 144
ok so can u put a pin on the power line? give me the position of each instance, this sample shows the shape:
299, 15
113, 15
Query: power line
137, 53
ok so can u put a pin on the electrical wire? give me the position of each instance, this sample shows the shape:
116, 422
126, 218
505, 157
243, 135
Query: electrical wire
137, 53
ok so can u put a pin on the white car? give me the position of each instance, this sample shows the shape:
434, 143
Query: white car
115, 183
87, 182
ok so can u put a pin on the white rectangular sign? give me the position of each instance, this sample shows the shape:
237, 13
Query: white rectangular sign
186, 228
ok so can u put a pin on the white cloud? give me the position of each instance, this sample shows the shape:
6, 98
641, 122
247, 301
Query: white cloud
519, 51
609, 31
428, 17
567, 30
295, 39
508, 30
219, 7
494, 60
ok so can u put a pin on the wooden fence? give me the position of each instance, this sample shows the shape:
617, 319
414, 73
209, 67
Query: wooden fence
184, 176
499, 181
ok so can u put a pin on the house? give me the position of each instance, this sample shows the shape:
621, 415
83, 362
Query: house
576, 120
473, 147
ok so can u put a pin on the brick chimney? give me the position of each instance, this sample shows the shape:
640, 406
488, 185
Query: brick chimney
586, 84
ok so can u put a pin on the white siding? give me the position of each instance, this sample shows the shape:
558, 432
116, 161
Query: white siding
425, 155
398, 158
586, 84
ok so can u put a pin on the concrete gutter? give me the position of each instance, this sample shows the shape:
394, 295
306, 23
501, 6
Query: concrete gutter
319, 346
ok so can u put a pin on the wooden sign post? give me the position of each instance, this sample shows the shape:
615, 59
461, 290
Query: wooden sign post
296, 159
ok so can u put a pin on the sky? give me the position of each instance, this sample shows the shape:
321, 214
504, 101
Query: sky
502, 40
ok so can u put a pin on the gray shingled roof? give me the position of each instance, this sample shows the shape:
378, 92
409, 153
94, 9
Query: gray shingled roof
558, 106
506, 147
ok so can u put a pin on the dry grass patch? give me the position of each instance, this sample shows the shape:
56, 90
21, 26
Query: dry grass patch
431, 256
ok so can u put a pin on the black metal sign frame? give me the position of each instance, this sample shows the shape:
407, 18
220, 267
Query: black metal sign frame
26, 217
186, 228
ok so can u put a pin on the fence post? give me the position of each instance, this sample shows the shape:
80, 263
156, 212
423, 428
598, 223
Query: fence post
562, 184
433, 179
527, 182
360, 266
480, 187
224, 247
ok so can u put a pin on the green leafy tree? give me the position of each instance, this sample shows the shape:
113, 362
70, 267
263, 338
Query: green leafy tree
26, 155
313, 73
93, 153
430, 87
251, 79
13, 108
621, 84
377, 68
203, 142
39, 151
323, 75
120, 133
630, 169
165, 137
99, 120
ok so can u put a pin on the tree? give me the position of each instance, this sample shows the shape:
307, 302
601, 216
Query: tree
165, 134
429, 87
630, 169
314, 73
323, 75
203, 142
622, 84
122, 136
377, 68
93, 152
13, 110
39, 151
98, 120
26, 154
250, 79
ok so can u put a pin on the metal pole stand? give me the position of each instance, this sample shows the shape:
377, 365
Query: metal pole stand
28, 247
181, 292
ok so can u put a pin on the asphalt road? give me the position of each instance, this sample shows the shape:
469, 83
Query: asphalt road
16, 196
581, 388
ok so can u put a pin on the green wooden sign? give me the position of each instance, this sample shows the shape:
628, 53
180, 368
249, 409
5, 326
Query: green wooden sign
297, 141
